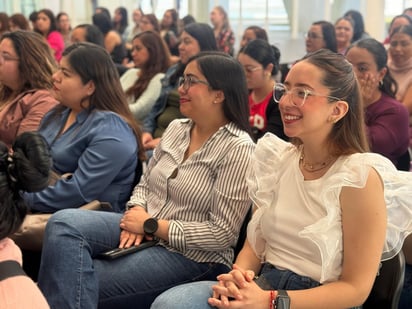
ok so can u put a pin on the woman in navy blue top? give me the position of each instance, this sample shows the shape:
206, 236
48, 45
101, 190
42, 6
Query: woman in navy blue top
94, 139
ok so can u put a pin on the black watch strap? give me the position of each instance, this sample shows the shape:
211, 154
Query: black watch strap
282, 300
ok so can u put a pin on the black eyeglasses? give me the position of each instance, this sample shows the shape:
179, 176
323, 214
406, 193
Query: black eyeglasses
188, 81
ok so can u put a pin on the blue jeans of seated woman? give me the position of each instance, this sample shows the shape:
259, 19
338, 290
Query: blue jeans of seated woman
71, 277
195, 295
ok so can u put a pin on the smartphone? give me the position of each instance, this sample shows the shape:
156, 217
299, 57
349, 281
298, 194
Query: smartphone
118, 252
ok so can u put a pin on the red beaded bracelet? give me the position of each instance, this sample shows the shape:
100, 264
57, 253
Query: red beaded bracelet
272, 298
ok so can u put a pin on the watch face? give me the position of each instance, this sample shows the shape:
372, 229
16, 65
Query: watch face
150, 226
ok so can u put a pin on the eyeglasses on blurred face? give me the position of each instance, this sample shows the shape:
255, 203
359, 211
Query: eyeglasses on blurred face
6, 57
188, 81
313, 36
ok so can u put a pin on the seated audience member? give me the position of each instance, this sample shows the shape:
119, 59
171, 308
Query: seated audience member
104, 10
397, 21
225, 37
112, 41
26, 69
252, 33
344, 28
321, 34
142, 84
260, 60
87, 33
400, 65
25, 168
93, 137
318, 235
193, 194
18, 21
134, 29
33, 20
47, 27
407, 11
150, 22
195, 38
169, 30
359, 32
64, 27
387, 120
4, 23
120, 22
184, 21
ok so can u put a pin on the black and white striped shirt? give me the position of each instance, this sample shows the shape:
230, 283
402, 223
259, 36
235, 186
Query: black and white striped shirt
205, 197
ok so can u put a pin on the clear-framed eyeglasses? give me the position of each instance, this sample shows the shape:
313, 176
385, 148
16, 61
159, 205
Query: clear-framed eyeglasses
298, 95
312, 35
188, 81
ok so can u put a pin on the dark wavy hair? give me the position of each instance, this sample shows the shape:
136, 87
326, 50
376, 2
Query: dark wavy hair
27, 168
36, 62
158, 61
52, 18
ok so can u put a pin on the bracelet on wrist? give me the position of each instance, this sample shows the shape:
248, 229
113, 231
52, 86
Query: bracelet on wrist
272, 299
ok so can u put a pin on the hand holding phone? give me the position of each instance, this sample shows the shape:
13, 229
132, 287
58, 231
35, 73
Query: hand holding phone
118, 252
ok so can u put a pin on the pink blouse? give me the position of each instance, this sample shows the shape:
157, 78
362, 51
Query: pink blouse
18, 291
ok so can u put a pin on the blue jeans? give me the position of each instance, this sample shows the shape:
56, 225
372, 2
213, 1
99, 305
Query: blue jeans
195, 295
72, 277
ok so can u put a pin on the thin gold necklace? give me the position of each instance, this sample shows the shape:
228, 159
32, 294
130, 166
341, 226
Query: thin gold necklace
313, 167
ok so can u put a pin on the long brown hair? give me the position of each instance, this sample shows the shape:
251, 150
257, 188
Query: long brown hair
36, 62
348, 135
158, 61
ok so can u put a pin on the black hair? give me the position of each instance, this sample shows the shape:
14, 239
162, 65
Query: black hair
52, 18
204, 36
101, 21
93, 34
380, 56
122, 25
329, 34
216, 66
359, 26
264, 53
26, 168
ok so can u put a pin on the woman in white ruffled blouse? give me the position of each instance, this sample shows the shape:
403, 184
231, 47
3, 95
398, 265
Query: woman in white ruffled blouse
327, 212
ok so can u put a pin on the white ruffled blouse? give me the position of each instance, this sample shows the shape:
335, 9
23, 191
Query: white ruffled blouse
273, 160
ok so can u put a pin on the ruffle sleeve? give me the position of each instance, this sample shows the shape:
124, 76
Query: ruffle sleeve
262, 178
353, 171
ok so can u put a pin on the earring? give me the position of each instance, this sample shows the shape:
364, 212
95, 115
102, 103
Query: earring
380, 83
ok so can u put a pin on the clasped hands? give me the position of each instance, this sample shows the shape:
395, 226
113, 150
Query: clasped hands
131, 224
237, 289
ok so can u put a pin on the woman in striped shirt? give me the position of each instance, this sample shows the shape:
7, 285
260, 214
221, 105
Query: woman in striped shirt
193, 198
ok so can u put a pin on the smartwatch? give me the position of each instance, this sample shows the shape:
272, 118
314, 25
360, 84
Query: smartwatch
282, 300
150, 226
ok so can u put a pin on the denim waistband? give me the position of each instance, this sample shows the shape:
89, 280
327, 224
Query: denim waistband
272, 278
